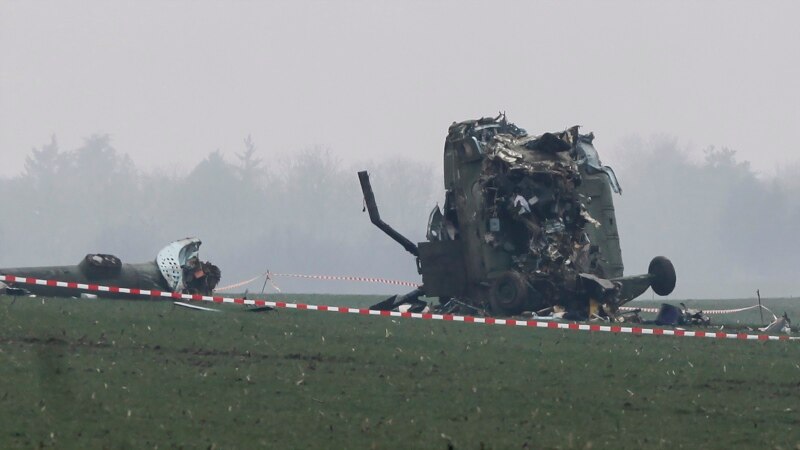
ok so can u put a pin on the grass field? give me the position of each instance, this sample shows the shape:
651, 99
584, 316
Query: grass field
145, 374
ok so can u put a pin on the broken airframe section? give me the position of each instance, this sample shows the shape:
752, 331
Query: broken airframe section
528, 224
176, 268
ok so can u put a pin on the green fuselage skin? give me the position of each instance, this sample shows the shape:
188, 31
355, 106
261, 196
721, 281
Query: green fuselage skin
600, 205
465, 266
133, 276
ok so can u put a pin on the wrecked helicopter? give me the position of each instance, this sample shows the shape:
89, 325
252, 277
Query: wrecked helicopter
528, 226
176, 268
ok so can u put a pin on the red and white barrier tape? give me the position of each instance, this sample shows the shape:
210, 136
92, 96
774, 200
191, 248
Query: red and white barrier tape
643, 309
426, 316
732, 311
346, 278
411, 284
269, 275
710, 311
239, 284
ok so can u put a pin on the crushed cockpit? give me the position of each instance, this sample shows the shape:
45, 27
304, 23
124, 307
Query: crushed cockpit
527, 224
176, 268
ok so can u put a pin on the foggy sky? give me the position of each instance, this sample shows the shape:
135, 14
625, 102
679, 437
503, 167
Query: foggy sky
172, 81
378, 84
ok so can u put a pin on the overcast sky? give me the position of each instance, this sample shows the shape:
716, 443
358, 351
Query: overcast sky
173, 81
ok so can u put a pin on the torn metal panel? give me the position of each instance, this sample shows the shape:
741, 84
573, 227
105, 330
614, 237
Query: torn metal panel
528, 224
196, 307
779, 325
176, 268
14, 291
403, 303
672, 315
173, 258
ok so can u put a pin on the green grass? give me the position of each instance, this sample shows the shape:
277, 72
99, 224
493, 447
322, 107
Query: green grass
145, 374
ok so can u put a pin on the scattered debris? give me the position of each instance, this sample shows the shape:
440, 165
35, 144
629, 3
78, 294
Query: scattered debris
695, 316
528, 223
779, 325
13, 291
190, 306
176, 268
672, 315
403, 303
630, 316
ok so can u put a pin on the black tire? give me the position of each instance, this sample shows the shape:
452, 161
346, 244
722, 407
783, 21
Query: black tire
663, 272
508, 294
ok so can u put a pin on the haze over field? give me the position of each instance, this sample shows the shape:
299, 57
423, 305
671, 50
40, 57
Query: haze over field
150, 104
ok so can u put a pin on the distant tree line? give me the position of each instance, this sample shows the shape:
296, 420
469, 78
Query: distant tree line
288, 214
727, 230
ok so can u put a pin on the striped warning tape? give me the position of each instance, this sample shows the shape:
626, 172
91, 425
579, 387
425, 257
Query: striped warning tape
411, 284
346, 278
737, 310
239, 284
709, 311
270, 275
644, 309
426, 316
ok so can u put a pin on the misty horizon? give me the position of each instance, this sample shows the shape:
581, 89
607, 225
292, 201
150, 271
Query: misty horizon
166, 92
302, 213
384, 80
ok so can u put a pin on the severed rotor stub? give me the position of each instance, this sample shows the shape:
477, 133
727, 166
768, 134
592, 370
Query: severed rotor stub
175, 258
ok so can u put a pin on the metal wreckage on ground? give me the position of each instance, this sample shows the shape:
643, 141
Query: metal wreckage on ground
176, 268
528, 225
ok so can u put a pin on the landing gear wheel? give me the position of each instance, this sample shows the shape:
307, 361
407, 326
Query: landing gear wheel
508, 294
663, 273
